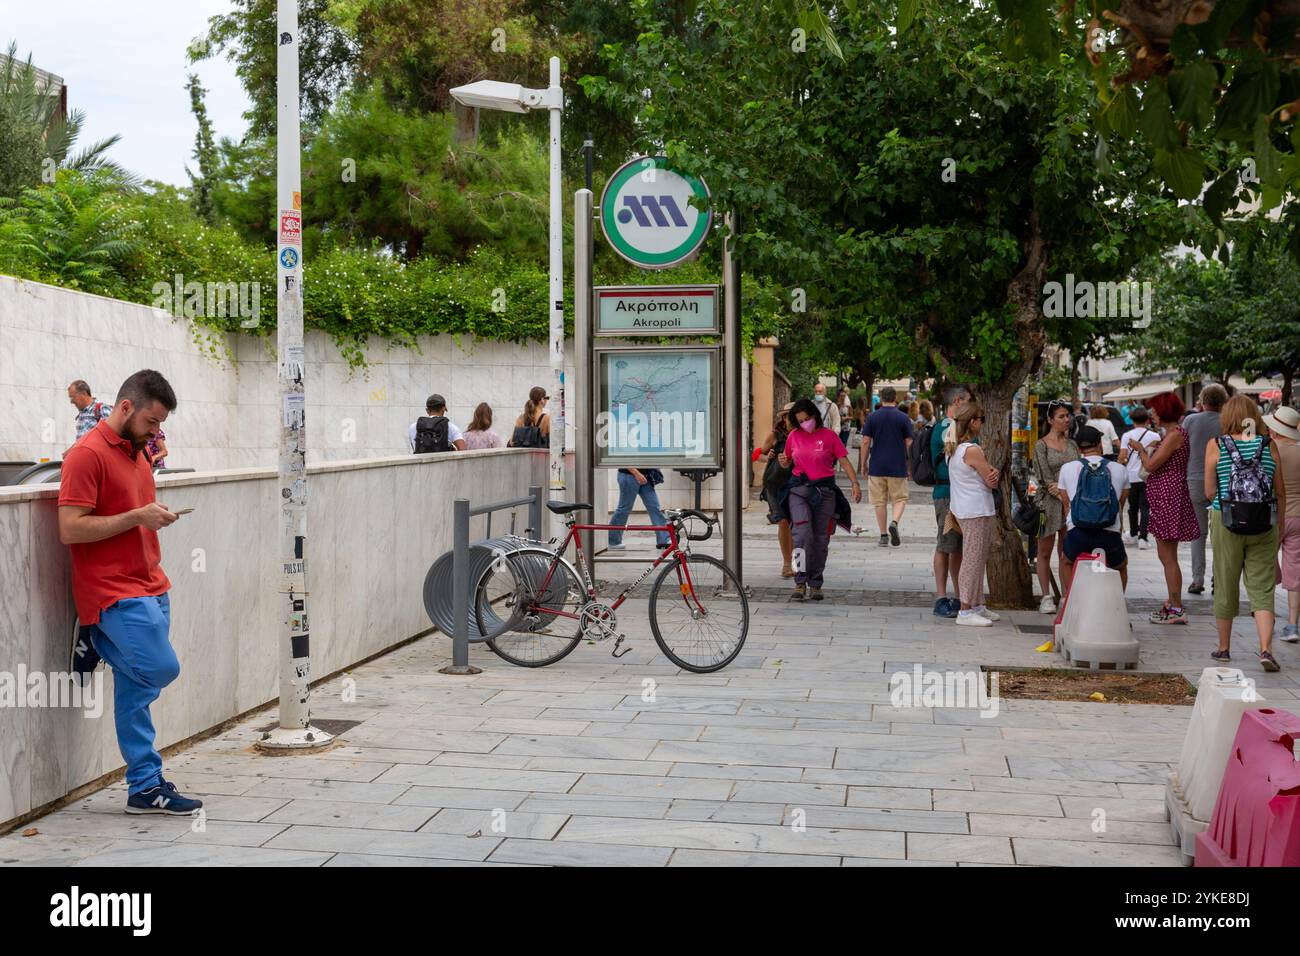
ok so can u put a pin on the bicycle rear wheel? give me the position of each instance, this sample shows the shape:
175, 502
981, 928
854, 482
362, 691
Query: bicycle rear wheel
513, 589
698, 613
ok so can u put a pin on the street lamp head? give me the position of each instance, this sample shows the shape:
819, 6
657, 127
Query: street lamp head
493, 95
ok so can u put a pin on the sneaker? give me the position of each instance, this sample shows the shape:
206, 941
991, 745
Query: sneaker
971, 619
1047, 605
982, 611
1196, 589
884, 540
787, 572
894, 539
163, 798
1221, 656
84, 658
617, 547
1290, 633
1267, 662
1168, 615
945, 607
815, 594
799, 593
1143, 544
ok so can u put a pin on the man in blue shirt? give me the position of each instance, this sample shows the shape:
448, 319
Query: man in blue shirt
886, 438
90, 411
947, 547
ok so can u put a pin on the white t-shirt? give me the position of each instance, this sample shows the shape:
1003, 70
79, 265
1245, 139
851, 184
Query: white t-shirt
1108, 436
969, 496
1069, 481
454, 434
1149, 438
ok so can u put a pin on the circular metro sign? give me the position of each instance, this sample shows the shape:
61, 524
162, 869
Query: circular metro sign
647, 215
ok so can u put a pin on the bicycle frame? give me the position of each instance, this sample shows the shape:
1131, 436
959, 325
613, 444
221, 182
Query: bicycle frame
673, 550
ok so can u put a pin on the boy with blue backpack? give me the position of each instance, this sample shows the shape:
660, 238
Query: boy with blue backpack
1093, 490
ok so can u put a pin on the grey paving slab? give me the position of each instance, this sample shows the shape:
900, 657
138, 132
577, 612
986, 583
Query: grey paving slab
741, 753
475, 777
374, 859
143, 854
231, 833
872, 818
988, 801
655, 787
798, 794
959, 848
328, 790
463, 797
1140, 811
337, 813
601, 805
384, 842
572, 853
726, 811
496, 823
892, 798
733, 836
735, 858
1035, 852
1080, 829
555, 745
721, 771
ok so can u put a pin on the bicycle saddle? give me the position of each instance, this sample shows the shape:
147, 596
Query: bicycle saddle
564, 507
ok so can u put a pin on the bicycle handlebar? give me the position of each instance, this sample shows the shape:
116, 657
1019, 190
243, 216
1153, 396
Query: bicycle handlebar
692, 513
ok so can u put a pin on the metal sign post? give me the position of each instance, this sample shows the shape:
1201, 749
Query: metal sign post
584, 439
295, 731
735, 460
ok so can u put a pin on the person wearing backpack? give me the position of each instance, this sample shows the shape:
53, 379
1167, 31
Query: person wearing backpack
533, 427
90, 410
1092, 490
947, 544
1243, 482
1173, 519
434, 432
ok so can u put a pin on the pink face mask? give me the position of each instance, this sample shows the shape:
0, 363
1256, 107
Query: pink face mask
807, 424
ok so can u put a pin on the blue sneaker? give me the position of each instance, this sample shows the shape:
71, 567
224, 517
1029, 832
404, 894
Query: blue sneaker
84, 658
946, 607
1290, 633
163, 798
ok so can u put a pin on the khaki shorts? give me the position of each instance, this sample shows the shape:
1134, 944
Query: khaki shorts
944, 543
882, 491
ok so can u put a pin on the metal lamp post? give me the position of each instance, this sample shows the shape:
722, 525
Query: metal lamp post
513, 98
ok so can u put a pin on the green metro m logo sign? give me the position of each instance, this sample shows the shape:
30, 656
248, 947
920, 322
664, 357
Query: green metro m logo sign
647, 215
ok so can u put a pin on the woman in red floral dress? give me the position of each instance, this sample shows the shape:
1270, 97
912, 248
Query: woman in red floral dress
1172, 517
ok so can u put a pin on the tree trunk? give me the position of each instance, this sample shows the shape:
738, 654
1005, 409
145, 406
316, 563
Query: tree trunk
1288, 378
1009, 581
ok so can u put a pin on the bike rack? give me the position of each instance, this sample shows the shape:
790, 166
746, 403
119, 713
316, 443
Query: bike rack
462, 511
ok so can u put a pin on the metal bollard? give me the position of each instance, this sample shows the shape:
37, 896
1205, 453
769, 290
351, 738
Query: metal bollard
460, 588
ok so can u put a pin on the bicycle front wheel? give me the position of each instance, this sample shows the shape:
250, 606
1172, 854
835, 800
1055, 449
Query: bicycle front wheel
540, 613
698, 613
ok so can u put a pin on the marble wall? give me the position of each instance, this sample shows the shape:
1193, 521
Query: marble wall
374, 527
226, 386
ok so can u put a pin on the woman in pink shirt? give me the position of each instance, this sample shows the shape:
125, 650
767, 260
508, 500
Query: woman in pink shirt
480, 434
813, 497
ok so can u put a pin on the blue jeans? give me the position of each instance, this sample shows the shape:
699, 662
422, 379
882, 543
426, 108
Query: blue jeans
132, 637
628, 489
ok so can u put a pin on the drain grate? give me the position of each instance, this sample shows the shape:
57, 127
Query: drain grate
1036, 628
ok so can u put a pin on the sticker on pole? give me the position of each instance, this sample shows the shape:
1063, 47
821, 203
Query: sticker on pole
290, 227
647, 215
289, 257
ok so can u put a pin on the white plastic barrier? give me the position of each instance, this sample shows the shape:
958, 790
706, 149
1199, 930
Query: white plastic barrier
1223, 694
1093, 630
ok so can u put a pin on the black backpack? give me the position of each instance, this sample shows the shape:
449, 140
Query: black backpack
431, 435
530, 436
1247, 506
923, 470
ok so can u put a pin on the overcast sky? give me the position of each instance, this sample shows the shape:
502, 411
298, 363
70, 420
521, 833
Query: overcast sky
124, 63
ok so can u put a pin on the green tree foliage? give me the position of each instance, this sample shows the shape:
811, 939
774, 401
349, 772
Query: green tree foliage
35, 137
205, 152
836, 167
1211, 88
247, 36
73, 233
378, 173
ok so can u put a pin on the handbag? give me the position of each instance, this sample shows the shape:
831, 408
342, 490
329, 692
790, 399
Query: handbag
1027, 517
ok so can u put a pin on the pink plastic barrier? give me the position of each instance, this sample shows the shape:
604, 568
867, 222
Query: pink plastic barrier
1257, 817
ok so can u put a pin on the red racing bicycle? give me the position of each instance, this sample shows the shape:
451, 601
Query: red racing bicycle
699, 615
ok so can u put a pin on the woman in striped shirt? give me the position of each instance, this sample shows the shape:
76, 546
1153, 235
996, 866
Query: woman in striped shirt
1253, 556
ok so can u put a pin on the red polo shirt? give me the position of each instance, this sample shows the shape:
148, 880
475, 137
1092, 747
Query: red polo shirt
103, 473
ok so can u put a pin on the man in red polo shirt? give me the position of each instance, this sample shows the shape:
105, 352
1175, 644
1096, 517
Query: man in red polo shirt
109, 519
